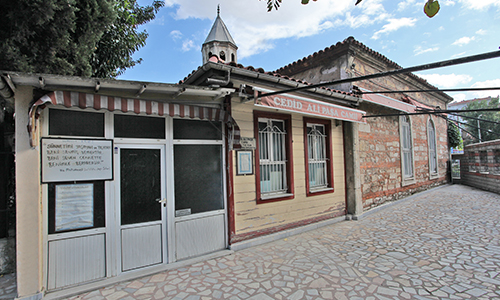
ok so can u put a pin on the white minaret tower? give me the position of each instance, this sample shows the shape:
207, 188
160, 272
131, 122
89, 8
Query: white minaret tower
220, 43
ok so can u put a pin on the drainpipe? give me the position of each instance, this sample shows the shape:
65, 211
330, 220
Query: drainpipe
220, 82
479, 127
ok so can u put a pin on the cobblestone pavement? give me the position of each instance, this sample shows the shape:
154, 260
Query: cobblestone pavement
442, 244
8, 286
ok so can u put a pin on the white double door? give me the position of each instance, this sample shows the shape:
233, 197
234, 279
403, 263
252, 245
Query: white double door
141, 205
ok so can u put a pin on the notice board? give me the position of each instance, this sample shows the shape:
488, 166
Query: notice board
76, 160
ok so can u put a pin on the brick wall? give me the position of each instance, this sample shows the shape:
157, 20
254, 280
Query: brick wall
480, 166
379, 139
380, 157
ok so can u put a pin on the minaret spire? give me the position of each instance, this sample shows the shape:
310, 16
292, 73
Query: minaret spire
219, 43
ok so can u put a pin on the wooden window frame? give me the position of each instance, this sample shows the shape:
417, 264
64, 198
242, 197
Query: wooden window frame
432, 125
289, 157
407, 180
329, 156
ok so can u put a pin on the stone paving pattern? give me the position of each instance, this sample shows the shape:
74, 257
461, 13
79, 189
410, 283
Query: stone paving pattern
442, 244
8, 286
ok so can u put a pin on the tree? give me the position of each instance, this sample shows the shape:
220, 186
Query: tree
489, 130
72, 37
431, 7
454, 137
114, 50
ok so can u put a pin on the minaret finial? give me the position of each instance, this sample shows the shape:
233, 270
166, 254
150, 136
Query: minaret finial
218, 10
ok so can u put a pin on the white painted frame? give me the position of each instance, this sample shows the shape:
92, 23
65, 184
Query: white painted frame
117, 199
173, 219
46, 238
431, 122
112, 204
412, 179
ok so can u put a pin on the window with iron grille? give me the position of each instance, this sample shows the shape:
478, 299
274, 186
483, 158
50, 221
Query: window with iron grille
318, 156
317, 160
432, 147
406, 148
272, 156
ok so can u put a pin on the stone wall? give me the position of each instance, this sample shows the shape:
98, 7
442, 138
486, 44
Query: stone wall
480, 166
380, 157
379, 139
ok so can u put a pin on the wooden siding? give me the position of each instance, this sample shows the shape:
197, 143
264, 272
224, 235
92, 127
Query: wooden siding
252, 217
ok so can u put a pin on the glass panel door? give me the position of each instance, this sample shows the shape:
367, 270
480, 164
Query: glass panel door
142, 186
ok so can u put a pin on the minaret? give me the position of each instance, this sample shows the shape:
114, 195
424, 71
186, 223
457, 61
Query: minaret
220, 43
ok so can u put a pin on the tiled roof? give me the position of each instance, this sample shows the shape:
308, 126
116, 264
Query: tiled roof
469, 101
351, 41
275, 74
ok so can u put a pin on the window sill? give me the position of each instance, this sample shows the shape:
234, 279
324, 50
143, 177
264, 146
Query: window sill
408, 181
319, 191
270, 197
274, 198
433, 175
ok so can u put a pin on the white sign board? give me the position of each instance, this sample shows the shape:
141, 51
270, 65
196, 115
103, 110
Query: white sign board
247, 143
76, 160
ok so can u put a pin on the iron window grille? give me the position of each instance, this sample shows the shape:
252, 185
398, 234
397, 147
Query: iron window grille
317, 158
272, 156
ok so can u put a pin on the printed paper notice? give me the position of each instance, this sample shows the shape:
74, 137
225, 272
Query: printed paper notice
74, 206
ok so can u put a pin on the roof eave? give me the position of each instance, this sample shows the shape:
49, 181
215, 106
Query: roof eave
120, 88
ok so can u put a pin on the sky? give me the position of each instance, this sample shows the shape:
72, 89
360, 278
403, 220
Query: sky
397, 29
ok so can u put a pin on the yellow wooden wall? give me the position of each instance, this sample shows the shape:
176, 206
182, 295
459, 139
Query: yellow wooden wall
251, 217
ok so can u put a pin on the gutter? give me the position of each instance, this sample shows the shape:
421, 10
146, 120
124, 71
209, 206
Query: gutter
113, 87
274, 79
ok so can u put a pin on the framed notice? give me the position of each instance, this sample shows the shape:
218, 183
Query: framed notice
74, 207
76, 160
244, 162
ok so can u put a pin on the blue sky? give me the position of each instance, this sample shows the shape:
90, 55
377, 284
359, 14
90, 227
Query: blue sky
398, 29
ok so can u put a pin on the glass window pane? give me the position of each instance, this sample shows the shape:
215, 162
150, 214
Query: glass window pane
185, 129
75, 123
140, 185
139, 127
317, 156
272, 156
198, 177
279, 126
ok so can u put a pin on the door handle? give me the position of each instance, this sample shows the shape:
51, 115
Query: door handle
162, 201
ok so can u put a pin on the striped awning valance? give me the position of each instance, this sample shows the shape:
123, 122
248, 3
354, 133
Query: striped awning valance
95, 101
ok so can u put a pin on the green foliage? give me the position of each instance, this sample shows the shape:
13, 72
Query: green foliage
489, 131
431, 7
121, 39
454, 137
68, 37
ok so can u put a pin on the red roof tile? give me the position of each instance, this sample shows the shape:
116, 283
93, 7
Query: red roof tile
276, 74
348, 41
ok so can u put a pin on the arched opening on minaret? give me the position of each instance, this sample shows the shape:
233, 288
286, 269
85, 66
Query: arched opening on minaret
219, 42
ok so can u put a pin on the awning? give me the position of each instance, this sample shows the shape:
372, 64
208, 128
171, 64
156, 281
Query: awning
95, 101
311, 107
388, 102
